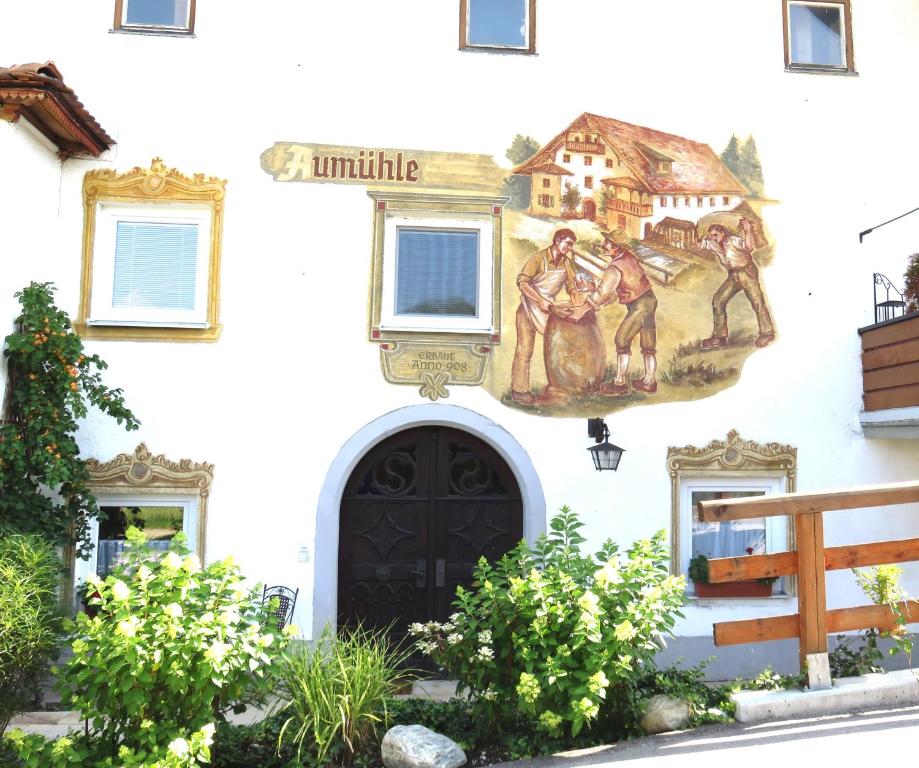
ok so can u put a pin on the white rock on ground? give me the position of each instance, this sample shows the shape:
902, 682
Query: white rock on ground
665, 713
414, 746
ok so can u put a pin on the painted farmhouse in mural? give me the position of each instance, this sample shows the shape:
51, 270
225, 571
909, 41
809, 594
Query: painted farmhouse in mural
630, 178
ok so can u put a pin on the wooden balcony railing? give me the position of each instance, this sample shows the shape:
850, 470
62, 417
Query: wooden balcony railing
624, 206
588, 147
890, 363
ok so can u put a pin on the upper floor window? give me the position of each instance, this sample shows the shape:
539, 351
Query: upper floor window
588, 160
566, 158
818, 36
609, 162
507, 25
151, 255
588, 182
547, 182
437, 266
176, 16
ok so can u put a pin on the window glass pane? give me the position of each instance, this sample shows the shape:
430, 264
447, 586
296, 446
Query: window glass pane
159, 524
497, 22
730, 538
158, 13
437, 272
816, 35
155, 265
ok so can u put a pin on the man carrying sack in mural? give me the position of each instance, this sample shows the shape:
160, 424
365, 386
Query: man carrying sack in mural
625, 281
542, 278
736, 255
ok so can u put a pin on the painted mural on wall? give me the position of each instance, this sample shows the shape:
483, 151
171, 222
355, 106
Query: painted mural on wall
637, 270
625, 270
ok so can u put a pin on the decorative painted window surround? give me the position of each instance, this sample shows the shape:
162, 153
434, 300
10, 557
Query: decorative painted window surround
143, 476
731, 464
155, 195
526, 44
800, 53
395, 210
128, 19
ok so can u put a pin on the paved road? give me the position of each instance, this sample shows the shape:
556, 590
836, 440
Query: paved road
862, 740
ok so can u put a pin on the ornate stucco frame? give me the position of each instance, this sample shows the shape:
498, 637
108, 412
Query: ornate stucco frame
732, 457
156, 185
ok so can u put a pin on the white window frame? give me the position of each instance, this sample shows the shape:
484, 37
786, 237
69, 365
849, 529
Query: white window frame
529, 43
108, 215
483, 322
83, 568
776, 526
121, 20
845, 41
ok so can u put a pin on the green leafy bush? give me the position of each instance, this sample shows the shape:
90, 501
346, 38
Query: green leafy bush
552, 633
244, 746
30, 620
336, 692
51, 382
171, 646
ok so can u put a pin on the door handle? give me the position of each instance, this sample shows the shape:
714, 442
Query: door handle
421, 572
440, 571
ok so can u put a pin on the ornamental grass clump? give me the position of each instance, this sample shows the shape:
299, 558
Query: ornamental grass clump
30, 620
336, 692
171, 647
556, 635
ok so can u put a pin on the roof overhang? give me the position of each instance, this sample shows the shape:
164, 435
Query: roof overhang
37, 93
891, 423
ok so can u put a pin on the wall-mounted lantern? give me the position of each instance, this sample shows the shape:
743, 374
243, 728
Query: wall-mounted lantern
604, 453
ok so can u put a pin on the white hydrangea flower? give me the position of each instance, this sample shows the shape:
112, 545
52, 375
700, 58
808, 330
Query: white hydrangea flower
144, 574
179, 747
448, 627
208, 732
486, 653
217, 651
485, 636
127, 627
416, 628
455, 617
120, 591
173, 610
191, 564
94, 581
454, 638
172, 560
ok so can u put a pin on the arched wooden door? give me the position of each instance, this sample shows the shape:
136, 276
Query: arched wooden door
590, 210
418, 512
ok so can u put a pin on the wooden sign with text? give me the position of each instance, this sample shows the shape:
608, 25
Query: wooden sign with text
373, 167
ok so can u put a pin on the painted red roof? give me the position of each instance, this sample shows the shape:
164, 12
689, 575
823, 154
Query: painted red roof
37, 93
550, 168
695, 169
625, 181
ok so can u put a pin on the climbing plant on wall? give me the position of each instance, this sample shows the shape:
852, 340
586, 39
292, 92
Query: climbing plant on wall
43, 481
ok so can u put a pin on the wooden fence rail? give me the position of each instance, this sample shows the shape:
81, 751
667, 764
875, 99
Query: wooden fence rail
810, 563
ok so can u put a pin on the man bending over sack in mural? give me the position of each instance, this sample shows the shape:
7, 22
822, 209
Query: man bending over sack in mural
625, 280
542, 278
736, 255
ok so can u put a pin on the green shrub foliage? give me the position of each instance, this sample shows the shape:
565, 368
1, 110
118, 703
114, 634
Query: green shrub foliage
30, 620
45, 482
554, 633
171, 646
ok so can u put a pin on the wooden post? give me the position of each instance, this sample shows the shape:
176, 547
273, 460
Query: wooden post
811, 584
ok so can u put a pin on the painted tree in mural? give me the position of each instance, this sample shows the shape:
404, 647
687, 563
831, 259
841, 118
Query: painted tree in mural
743, 161
44, 481
571, 199
518, 188
751, 170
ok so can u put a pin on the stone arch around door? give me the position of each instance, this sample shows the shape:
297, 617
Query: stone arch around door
325, 588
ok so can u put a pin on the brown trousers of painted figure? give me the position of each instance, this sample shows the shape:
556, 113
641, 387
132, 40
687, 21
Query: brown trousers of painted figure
639, 319
745, 279
526, 341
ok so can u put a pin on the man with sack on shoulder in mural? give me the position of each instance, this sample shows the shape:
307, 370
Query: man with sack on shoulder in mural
625, 281
540, 280
735, 253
